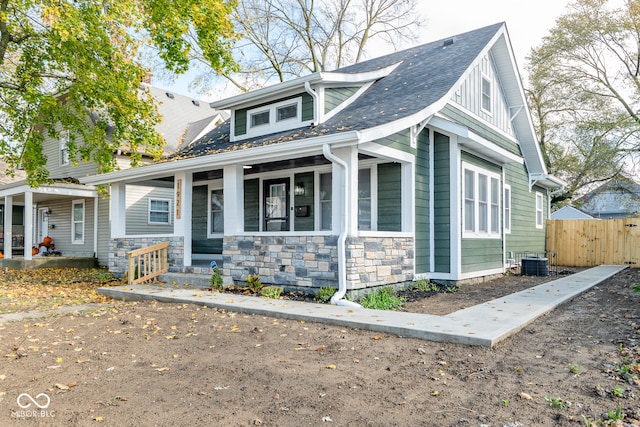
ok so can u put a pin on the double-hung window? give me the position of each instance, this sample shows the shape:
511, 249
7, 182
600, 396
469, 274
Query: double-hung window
507, 209
77, 222
216, 222
64, 148
481, 202
539, 211
159, 211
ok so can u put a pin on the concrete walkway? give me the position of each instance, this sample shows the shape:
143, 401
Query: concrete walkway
484, 324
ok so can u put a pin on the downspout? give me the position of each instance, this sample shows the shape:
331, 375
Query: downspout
314, 95
337, 298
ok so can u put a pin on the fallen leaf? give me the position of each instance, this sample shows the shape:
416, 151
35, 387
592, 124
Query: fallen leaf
162, 369
331, 366
526, 396
62, 387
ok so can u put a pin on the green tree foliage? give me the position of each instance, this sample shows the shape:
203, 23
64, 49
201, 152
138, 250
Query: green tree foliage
584, 91
74, 67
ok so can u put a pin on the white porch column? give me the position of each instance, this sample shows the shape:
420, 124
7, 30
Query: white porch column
408, 196
8, 226
233, 181
348, 184
118, 210
183, 195
28, 225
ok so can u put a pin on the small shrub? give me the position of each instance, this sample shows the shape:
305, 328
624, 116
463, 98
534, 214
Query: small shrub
216, 281
382, 299
635, 287
618, 390
425, 286
253, 283
574, 369
325, 294
272, 292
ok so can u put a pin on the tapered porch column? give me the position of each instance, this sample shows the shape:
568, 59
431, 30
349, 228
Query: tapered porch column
8, 226
28, 225
118, 210
233, 199
183, 188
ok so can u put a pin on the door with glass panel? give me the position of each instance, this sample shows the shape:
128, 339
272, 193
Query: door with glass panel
276, 204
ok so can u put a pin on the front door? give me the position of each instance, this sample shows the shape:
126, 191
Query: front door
276, 204
43, 223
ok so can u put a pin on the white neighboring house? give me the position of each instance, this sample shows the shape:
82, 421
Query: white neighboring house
569, 212
73, 214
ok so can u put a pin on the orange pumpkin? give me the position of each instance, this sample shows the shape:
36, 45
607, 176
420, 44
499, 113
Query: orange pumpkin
47, 240
1, 255
34, 251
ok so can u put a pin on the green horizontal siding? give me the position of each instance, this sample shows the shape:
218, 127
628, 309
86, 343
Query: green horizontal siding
389, 197
442, 203
252, 205
482, 128
336, 96
524, 235
422, 239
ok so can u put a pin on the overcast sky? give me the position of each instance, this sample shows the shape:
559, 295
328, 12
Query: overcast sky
527, 22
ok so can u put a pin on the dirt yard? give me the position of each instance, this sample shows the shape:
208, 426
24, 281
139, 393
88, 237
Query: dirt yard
152, 364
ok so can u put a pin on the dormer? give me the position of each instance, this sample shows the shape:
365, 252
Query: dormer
302, 102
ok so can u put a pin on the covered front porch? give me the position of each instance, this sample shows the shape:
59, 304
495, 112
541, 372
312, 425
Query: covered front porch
49, 225
303, 216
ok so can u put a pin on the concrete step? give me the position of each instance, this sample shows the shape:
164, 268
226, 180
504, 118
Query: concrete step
198, 280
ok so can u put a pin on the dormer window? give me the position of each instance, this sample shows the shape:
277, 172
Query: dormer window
287, 112
260, 118
271, 118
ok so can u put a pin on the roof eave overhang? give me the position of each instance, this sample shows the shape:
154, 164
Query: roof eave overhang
247, 156
546, 180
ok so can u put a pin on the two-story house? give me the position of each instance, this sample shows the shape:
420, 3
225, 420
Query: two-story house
419, 164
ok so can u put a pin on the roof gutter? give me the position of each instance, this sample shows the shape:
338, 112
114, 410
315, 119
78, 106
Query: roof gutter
338, 297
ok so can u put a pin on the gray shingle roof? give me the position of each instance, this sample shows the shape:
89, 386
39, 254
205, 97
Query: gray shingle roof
425, 75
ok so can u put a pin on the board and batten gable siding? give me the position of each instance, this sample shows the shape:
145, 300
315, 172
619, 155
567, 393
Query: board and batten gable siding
336, 96
480, 254
240, 115
137, 204
524, 235
422, 210
469, 96
51, 150
442, 203
60, 220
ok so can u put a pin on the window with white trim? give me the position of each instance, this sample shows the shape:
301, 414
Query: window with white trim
325, 201
481, 202
486, 94
539, 210
276, 117
77, 222
159, 210
216, 212
364, 199
64, 148
507, 208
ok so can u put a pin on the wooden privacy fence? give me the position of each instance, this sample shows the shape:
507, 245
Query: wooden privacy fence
590, 242
148, 263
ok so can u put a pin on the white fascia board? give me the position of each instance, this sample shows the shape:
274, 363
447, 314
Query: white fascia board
247, 156
58, 190
383, 151
468, 138
546, 180
280, 88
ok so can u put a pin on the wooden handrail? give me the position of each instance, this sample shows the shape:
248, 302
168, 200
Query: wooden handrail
148, 263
